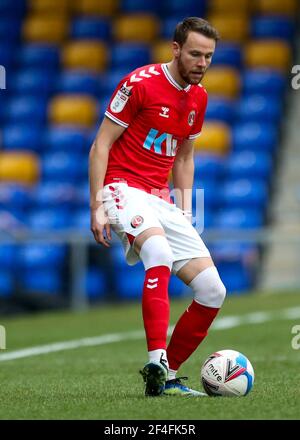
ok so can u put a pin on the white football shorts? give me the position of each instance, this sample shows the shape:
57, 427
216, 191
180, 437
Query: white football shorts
131, 211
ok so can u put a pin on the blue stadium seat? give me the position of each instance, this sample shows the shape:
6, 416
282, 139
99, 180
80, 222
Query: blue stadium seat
6, 283
256, 108
47, 281
8, 254
136, 6
14, 196
129, 56
256, 136
10, 29
82, 220
244, 193
34, 81
249, 164
129, 282
236, 277
54, 194
273, 27
207, 189
238, 219
186, 8
264, 81
12, 220
96, 283
78, 81
68, 139
7, 51
21, 136
111, 79
64, 167
177, 288
40, 220
91, 28
221, 109
16, 8
228, 54
39, 54
208, 166
35, 255
83, 195
26, 109
168, 26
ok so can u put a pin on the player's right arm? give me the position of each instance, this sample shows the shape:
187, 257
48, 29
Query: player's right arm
107, 134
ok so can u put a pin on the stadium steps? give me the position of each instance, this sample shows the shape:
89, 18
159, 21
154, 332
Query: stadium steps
281, 262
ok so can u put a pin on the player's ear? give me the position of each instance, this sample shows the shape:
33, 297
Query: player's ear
176, 49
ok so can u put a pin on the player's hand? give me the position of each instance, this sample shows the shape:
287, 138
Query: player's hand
100, 226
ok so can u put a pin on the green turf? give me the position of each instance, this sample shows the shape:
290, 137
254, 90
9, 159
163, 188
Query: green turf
102, 382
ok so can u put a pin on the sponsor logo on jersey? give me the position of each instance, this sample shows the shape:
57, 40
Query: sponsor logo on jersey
137, 221
191, 118
159, 142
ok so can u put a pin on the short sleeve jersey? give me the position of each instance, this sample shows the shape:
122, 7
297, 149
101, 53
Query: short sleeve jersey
158, 115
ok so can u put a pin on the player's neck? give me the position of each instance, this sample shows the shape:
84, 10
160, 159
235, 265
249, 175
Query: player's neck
175, 74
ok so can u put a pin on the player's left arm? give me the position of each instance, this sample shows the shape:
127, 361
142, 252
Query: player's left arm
183, 176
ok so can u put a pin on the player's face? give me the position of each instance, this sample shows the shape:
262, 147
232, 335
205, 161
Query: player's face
194, 57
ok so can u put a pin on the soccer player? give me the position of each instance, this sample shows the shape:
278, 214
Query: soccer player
149, 127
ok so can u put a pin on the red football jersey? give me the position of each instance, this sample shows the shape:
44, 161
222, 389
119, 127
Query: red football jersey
158, 115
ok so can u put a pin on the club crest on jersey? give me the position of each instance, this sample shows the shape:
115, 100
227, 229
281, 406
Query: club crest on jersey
121, 98
191, 118
137, 221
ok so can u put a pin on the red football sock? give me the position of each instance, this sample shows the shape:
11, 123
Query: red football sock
155, 306
189, 331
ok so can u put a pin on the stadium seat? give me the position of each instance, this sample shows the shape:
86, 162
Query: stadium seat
82, 220
272, 27
248, 164
34, 255
45, 220
34, 82
77, 81
22, 137
62, 138
37, 55
209, 166
26, 109
133, 6
54, 194
108, 83
161, 52
10, 29
83, 195
244, 193
233, 28
93, 28
14, 196
215, 138
236, 276
287, 7
222, 81
129, 282
45, 28
6, 283
8, 256
139, 28
49, 6
85, 54
272, 54
255, 108
96, 283
228, 54
238, 219
229, 6
78, 110
95, 7
264, 81
130, 55
221, 109
186, 8
45, 281
168, 25
61, 166
19, 167
256, 136
6, 54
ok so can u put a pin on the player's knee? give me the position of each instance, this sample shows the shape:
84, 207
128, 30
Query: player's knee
208, 288
156, 251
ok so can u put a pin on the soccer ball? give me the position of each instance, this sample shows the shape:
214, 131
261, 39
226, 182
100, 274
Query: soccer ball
227, 373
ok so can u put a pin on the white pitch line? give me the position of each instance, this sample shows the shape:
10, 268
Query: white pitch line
225, 322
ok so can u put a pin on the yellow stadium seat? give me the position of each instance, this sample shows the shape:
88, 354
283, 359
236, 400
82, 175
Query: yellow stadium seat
232, 28
162, 52
85, 54
73, 109
45, 28
222, 81
215, 138
19, 167
49, 6
228, 6
286, 7
275, 54
142, 28
96, 7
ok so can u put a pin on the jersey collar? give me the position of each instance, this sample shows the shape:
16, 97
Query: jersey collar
172, 80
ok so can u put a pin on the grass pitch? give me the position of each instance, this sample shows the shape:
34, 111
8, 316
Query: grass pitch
102, 381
